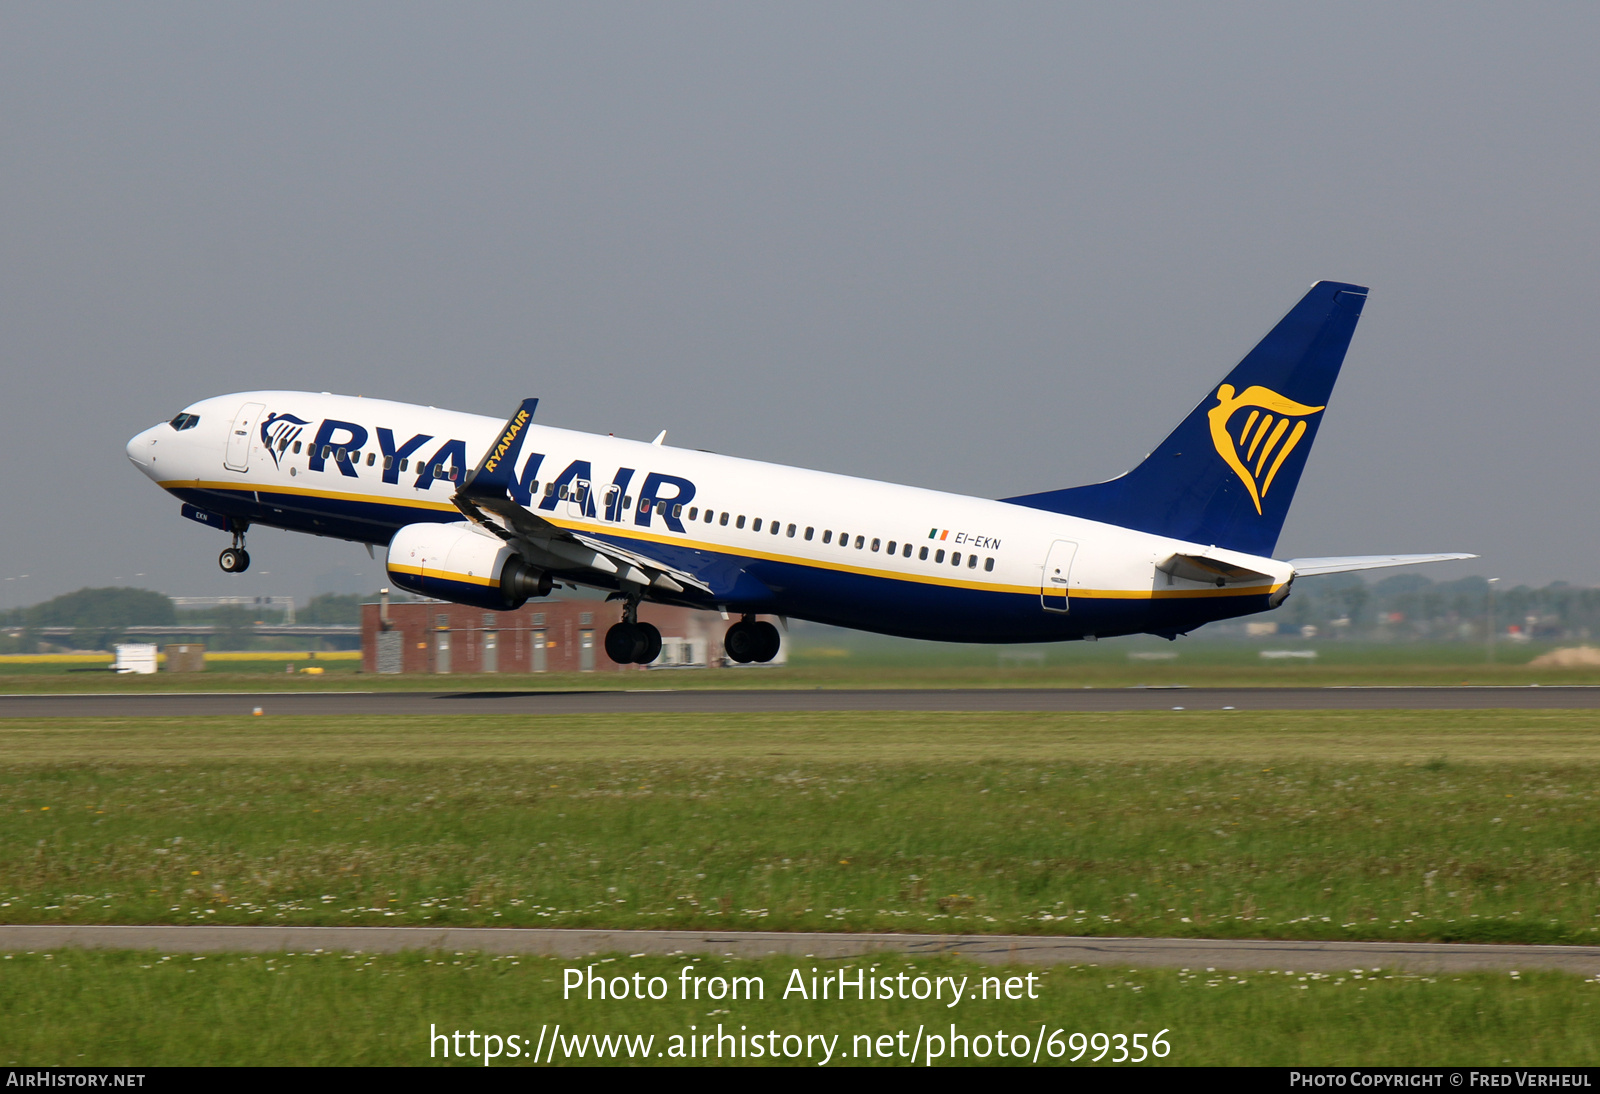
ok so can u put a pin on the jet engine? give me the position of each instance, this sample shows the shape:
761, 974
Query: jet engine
463, 563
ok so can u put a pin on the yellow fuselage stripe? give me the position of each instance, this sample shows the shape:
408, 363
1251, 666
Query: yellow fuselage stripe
634, 536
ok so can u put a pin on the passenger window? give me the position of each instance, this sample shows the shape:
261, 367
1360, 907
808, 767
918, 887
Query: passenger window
627, 501
791, 531
755, 527
723, 520
297, 448
740, 522
405, 462
844, 539
677, 511
938, 556
893, 546
860, 542
808, 534
908, 550
533, 488
988, 565
339, 456
972, 562
549, 489
388, 463
774, 527
827, 536
455, 474
955, 558
875, 544
694, 514
372, 458
563, 493
327, 451
922, 555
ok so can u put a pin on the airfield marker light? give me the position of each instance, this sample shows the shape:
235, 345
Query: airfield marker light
256, 712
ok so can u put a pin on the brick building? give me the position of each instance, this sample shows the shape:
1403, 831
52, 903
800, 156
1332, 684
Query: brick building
542, 636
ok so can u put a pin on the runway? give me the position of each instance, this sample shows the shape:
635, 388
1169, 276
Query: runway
775, 701
1192, 953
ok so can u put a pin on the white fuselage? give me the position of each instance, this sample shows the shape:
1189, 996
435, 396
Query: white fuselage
813, 545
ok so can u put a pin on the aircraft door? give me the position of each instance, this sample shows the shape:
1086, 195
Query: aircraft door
239, 436
578, 498
1057, 572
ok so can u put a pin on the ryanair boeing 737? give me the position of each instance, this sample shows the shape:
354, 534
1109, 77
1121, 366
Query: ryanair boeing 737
490, 515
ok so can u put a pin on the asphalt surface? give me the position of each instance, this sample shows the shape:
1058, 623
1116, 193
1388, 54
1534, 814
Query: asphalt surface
218, 704
989, 949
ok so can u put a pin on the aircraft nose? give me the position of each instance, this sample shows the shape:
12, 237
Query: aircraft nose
142, 450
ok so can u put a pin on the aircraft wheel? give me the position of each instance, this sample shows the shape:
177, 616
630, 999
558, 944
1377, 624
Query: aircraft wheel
650, 643
234, 560
767, 641
740, 643
621, 642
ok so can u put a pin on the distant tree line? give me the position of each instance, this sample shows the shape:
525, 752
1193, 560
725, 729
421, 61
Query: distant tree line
1411, 607
101, 617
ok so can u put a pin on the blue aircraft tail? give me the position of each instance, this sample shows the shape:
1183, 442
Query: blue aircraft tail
1225, 476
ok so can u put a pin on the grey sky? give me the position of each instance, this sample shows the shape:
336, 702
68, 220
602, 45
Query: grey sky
985, 248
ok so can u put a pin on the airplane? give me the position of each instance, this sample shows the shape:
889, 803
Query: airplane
488, 514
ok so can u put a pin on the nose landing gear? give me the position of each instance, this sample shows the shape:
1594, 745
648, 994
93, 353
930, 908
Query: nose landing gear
749, 640
235, 560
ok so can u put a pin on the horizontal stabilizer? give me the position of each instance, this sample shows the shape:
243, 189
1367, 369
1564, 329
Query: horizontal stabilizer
1343, 564
1213, 571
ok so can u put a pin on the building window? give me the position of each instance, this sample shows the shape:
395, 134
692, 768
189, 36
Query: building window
808, 534
585, 619
938, 556
988, 565
875, 544
755, 525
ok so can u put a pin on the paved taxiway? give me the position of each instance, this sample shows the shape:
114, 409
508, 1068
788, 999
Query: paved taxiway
990, 949
497, 703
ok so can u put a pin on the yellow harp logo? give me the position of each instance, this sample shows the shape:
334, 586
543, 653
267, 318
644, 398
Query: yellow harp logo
1257, 448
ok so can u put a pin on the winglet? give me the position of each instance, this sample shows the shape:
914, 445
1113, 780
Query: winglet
492, 477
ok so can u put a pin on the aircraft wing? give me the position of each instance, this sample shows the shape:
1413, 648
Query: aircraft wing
1342, 564
484, 496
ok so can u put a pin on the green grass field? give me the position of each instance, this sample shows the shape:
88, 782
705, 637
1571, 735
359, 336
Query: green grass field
1391, 825
885, 664
131, 1009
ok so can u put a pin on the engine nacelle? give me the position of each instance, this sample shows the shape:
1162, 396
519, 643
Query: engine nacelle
463, 563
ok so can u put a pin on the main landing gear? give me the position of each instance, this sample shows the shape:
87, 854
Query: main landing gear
749, 640
632, 642
235, 560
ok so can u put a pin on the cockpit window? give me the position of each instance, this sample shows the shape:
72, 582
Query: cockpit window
185, 421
